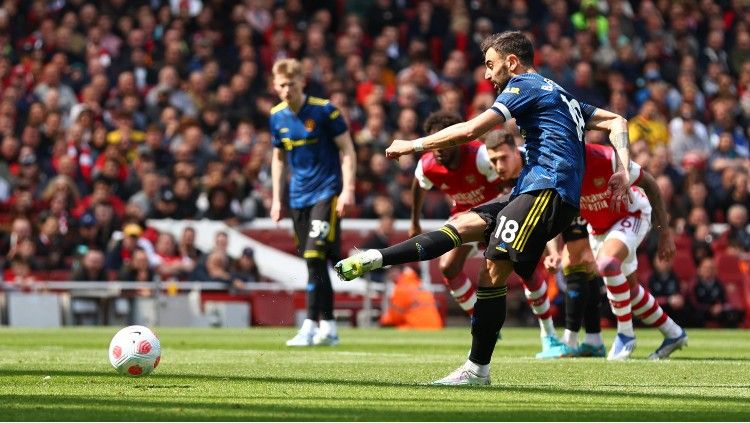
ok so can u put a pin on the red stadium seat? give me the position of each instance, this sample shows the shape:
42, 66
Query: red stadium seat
645, 270
728, 269
683, 265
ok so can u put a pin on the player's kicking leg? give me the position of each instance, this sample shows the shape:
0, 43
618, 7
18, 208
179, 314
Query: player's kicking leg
462, 228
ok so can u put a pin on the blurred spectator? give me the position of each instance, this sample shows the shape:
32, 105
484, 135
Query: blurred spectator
166, 205
172, 265
709, 298
51, 245
737, 236
149, 193
245, 268
20, 229
688, 136
124, 245
216, 269
725, 121
649, 125
583, 88
91, 267
137, 269
19, 276
187, 246
666, 288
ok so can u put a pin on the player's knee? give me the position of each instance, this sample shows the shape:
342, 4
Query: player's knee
469, 226
608, 265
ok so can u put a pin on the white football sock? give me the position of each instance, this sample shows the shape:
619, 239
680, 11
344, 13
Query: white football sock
594, 339
309, 326
482, 370
570, 338
328, 327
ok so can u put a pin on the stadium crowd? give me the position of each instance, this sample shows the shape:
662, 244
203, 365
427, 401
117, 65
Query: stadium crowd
116, 111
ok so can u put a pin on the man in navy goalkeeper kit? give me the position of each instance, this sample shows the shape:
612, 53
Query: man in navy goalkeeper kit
311, 138
543, 202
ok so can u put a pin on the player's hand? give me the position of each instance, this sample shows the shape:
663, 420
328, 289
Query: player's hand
666, 248
345, 203
619, 189
414, 230
398, 149
277, 212
552, 262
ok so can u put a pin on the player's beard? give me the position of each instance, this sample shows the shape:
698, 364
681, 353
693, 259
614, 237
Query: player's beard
503, 77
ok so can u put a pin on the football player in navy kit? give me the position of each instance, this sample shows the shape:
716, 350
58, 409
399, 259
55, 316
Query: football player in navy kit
312, 139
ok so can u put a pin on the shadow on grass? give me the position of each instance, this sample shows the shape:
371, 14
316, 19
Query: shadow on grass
184, 381
42, 407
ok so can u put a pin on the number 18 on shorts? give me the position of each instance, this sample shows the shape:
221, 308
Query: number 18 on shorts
523, 227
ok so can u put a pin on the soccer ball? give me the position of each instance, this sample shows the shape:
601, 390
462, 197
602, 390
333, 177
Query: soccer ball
135, 351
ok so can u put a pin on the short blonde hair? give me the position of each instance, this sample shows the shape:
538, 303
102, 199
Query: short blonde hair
290, 68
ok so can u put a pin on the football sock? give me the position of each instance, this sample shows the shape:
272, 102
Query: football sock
594, 339
488, 319
463, 291
308, 326
328, 327
650, 312
570, 338
482, 370
536, 296
592, 315
618, 293
319, 290
576, 298
422, 247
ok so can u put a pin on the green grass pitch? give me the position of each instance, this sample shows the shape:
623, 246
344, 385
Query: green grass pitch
376, 374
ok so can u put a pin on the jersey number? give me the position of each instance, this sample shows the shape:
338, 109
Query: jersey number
506, 229
319, 228
575, 112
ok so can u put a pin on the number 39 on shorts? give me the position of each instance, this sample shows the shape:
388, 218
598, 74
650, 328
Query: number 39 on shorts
506, 229
319, 229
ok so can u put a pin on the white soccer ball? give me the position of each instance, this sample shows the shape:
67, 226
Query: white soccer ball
135, 351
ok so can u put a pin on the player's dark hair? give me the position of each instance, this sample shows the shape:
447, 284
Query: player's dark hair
440, 120
499, 137
511, 42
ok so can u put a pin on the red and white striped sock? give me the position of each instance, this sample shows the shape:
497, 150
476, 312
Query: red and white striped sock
536, 296
618, 293
463, 291
650, 312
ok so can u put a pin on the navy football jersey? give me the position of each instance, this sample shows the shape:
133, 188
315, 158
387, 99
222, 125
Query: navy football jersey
307, 137
552, 124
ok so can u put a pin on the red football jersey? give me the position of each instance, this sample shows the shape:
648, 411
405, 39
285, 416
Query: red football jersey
595, 198
472, 183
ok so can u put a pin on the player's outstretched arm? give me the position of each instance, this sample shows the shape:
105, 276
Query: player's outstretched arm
617, 126
453, 135
660, 217
348, 171
278, 166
